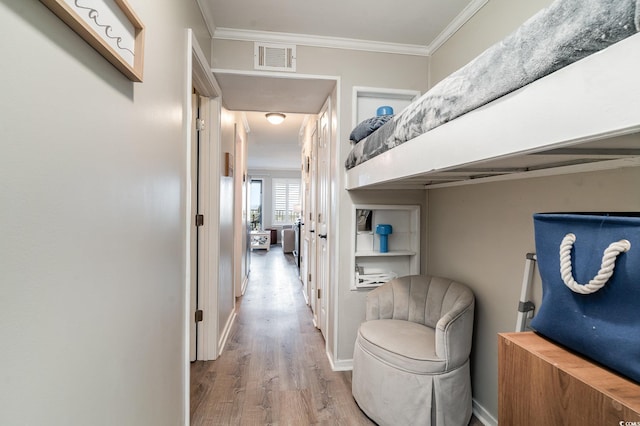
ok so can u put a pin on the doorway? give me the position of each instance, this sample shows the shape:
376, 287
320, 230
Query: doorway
275, 152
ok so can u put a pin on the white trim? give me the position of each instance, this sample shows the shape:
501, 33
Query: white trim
245, 282
467, 13
334, 248
186, 128
551, 171
203, 79
275, 74
196, 74
483, 415
341, 364
204, 268
226, 332
320, 41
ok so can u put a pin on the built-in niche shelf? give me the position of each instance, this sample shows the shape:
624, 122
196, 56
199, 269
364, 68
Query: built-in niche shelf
366, 101
372, 267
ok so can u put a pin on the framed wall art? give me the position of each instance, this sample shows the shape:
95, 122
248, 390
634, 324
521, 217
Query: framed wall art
228, 164
109, 26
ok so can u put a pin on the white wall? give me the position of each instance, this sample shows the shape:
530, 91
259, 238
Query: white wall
479, 234
240, 215
92, 223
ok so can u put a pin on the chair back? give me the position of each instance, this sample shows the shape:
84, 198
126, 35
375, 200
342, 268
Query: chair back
439, 303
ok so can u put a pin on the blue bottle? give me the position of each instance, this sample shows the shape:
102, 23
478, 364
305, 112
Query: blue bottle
384, 230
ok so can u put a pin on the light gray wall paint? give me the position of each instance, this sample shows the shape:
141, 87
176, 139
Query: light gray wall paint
355, 68
92, 223
489, 25
479, 234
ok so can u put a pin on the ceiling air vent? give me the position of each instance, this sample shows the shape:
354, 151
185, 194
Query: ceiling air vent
274, 57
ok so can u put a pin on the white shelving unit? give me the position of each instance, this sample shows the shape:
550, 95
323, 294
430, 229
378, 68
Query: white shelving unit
371, 267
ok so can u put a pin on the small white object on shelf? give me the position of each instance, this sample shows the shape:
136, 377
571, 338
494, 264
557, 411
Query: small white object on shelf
373, 277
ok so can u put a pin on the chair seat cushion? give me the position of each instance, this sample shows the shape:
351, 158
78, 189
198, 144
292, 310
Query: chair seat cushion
403, 344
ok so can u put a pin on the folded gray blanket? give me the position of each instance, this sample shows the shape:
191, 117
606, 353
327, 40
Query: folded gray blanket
563, 33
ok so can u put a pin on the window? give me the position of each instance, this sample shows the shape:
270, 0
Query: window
286, 200
255, 211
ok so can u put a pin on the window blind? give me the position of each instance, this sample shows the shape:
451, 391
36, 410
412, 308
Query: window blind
286, 196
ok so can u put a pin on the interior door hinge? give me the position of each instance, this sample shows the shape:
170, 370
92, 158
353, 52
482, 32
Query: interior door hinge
200, 124
309, 278
199, 219
318, 293
199, 315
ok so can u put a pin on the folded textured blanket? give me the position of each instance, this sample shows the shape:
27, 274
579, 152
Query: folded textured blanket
563, 33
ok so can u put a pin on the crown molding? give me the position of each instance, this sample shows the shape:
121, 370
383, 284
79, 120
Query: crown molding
343, 43
467, 13
319, 41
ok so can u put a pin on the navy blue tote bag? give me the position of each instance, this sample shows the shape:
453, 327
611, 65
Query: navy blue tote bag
589, 264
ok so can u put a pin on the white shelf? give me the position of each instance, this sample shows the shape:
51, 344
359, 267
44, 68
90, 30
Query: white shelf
390, 253
366, 101
403, 257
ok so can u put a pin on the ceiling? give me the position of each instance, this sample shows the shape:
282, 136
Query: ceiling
408, 26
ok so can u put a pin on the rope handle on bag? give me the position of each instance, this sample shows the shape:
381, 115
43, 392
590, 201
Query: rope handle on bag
606, 268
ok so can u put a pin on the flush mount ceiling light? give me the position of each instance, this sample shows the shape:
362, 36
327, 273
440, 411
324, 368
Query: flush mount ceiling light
275, 117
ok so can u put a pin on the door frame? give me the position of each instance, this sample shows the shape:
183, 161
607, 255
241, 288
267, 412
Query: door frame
198, 75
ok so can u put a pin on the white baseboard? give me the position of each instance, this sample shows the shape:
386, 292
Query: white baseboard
483, 415
226, 332
243, 287
341, 364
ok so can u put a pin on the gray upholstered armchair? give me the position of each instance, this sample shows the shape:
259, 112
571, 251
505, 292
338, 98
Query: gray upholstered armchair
411, 357
288, 239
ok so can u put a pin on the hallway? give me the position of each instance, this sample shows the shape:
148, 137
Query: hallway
274, 369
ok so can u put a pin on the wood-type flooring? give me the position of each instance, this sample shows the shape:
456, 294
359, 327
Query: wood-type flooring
274, 369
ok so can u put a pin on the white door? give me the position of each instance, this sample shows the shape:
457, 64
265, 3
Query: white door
195, 230
307, 207
311, 220
322, 223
